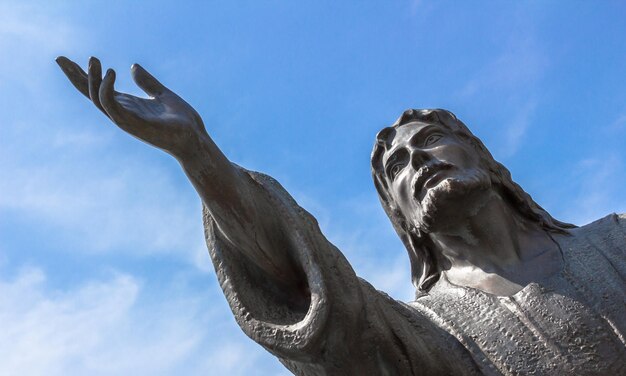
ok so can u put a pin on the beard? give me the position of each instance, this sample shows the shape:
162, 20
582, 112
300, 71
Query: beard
451, 198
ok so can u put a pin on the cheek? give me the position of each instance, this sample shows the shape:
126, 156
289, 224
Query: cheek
403, 191
458, 155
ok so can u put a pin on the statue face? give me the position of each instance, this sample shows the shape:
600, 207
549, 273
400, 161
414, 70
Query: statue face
430, 172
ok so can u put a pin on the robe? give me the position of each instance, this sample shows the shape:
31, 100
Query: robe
572, 323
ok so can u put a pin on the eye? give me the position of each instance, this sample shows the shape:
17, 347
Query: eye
396, 162
395, 170
432, 139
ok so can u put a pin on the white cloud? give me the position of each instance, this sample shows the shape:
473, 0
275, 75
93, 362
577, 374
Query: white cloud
110, 327
516, 129
100, 207
42, 333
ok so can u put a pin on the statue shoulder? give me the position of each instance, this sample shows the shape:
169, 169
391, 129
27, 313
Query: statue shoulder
611, 223
607, 236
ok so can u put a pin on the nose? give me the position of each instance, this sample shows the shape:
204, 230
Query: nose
419, 158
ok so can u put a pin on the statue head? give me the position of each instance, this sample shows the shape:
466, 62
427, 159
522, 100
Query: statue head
427, 164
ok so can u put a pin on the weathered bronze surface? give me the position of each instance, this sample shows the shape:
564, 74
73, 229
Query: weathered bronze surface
502, 287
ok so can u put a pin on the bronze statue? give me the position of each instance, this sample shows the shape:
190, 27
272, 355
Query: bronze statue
502, 287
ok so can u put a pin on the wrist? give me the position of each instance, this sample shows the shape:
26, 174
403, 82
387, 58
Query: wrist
193, 149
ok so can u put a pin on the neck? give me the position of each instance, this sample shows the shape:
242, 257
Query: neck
493, 248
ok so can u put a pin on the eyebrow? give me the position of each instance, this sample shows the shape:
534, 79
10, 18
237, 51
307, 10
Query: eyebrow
425, 130
420, 134
395, 155
392, 158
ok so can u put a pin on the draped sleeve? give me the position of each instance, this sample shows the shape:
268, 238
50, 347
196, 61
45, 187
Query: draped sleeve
333, 323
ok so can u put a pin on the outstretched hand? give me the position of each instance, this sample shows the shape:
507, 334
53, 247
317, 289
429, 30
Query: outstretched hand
163, 120
247, 217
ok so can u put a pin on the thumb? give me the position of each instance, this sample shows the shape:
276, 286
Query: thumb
147, 82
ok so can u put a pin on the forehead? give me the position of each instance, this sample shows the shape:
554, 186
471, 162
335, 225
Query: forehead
404, 132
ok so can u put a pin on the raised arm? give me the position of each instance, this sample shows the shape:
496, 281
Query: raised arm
166, 121
298, 297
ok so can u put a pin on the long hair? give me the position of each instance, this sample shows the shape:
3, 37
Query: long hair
424, 269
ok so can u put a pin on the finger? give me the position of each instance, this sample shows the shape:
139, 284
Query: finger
147, 82
75, 74
107, 99
95, 79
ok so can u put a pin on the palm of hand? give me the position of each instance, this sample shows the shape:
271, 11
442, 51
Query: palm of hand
164, 120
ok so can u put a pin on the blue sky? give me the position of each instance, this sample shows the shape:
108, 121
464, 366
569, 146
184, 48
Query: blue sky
103, 268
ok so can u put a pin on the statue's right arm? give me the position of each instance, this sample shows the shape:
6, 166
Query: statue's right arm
166, 121
293, 292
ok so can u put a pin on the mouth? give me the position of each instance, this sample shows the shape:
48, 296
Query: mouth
427, 177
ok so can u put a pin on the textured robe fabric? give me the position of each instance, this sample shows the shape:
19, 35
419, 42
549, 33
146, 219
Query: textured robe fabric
572, 323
